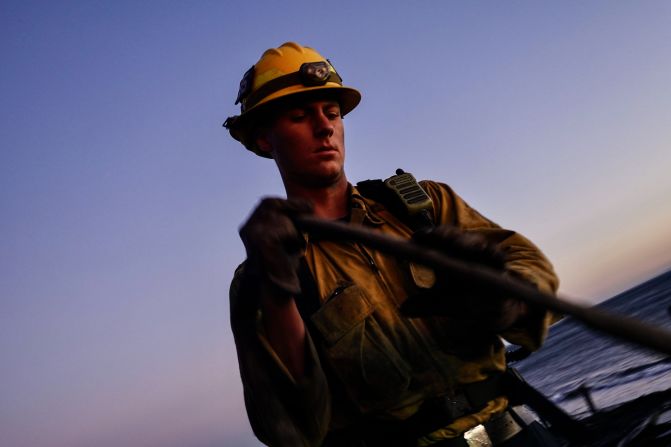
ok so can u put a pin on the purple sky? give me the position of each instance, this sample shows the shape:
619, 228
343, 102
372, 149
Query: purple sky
121, 194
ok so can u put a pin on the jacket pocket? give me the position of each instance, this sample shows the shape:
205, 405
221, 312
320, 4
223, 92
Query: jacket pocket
368, 364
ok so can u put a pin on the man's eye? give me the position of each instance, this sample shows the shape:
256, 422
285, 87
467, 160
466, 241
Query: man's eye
333, 114
296, 117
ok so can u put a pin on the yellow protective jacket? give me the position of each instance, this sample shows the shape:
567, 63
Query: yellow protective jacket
386, 365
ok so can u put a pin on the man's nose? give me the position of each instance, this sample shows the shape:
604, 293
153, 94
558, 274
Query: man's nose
323, 125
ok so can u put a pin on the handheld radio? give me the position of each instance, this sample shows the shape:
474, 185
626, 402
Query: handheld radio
415, 200
411, 194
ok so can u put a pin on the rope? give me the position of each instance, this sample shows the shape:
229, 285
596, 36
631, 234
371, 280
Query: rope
623, 327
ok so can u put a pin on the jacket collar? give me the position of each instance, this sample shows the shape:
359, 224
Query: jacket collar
362, 210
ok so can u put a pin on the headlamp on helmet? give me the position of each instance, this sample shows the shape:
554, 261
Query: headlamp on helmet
317, 73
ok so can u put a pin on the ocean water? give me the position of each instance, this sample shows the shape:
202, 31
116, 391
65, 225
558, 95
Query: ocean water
613, 371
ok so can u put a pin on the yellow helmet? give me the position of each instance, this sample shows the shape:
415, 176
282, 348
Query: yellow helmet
288, 70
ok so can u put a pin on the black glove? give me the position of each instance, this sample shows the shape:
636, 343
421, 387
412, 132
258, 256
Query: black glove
273, 243
465, 245
470, 303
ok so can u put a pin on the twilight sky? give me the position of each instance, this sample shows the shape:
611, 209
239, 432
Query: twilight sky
121, 194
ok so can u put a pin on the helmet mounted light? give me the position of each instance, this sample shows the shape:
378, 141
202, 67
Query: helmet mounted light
317, 73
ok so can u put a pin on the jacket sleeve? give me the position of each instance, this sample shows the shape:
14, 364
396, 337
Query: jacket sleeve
524, 260
281, 410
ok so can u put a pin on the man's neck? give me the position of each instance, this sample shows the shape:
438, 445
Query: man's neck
329, 202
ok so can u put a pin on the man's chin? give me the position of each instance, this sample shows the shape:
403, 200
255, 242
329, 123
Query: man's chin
324, 179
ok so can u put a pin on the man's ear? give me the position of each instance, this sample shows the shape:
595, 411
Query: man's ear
262, 140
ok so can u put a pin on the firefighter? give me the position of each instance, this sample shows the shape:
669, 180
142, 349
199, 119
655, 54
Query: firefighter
328, 353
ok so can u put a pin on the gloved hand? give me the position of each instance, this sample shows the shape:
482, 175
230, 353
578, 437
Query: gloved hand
468, 246
471, 304
273, 243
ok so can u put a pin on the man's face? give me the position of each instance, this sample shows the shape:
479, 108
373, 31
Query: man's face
306, 139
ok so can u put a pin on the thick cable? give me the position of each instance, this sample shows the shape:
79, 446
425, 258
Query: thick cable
622, 327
